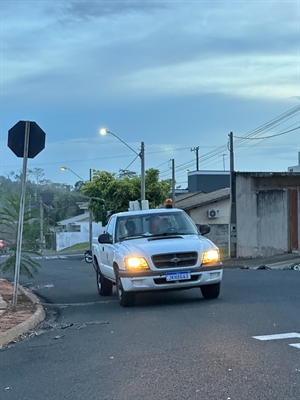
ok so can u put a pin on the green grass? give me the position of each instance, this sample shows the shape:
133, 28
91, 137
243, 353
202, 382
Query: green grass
77, 247
223, 252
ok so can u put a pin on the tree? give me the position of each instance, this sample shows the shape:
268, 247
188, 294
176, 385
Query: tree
9, 217
118, 191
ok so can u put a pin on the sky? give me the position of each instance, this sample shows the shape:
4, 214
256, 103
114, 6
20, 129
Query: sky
176, 75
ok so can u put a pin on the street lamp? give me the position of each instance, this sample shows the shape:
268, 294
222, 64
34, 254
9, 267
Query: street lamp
141, 154
64, 168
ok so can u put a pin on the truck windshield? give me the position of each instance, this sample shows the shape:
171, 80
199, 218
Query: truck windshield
177, 223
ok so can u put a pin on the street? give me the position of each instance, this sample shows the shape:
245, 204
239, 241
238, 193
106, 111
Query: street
173, 345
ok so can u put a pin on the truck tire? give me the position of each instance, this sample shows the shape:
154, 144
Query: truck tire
126, 299
104, 285
211, 291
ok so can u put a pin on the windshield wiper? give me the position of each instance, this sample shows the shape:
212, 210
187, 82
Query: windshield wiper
165, 236
171, 234
131, 237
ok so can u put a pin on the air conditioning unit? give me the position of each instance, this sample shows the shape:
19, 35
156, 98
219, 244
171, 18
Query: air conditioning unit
213, 213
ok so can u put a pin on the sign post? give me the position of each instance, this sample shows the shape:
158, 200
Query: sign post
26, 139
21, 216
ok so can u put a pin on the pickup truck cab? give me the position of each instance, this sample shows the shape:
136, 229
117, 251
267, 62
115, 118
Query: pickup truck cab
151, 250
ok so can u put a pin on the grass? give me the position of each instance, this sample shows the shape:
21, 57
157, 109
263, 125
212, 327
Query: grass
79, 247
223, 252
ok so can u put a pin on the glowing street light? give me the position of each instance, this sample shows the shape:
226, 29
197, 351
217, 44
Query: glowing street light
141, 154
64, 168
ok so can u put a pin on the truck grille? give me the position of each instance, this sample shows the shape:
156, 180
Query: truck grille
172, 260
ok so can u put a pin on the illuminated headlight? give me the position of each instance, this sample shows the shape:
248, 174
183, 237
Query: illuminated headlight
136, 263
210, 256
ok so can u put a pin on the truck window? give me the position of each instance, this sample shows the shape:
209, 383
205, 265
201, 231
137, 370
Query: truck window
110, 226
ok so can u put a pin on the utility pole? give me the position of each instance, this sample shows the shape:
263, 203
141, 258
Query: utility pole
232, 223
196, 150
90, 220
142, 156
173, 182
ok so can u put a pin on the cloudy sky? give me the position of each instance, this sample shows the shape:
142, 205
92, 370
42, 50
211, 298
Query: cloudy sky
176, 75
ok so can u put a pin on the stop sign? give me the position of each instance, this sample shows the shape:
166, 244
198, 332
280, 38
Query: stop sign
16, 139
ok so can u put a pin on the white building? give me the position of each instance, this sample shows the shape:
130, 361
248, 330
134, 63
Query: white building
75, 230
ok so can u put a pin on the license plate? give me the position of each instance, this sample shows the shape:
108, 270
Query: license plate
177, 276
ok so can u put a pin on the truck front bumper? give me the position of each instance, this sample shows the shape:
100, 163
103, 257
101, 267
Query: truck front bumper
152, 280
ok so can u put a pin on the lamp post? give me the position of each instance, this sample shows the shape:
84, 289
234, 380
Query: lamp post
65, 168
141, 154
90, 214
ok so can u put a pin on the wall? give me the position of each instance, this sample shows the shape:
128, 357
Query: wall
67, 239
218, 226
199, 214
219, 234
262, 219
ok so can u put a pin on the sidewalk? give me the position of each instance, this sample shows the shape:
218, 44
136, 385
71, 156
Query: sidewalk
30, 312
281, 261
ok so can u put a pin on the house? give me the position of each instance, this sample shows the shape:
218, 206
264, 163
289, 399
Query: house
267, 213
208, 180
209, 208
75, 230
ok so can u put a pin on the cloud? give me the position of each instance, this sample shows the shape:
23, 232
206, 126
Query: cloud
163, 72
82, 11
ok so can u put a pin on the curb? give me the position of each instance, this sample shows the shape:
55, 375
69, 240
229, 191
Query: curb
39, 315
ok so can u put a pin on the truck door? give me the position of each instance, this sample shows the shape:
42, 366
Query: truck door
107, 251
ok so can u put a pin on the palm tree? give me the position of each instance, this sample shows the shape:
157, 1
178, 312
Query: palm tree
9, 217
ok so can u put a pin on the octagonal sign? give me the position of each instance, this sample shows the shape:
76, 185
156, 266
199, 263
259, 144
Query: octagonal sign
16, 139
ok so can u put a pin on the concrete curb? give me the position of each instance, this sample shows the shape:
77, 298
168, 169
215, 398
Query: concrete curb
25, 326
255, 264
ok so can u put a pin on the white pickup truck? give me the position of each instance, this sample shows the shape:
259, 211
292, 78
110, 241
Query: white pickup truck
158, 249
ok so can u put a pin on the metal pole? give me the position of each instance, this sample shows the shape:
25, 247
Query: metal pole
91, 221
142, 156
41, 224
21, 216
232, 224
173, 182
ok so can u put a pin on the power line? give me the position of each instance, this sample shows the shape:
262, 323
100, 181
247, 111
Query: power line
265, 127
266, 137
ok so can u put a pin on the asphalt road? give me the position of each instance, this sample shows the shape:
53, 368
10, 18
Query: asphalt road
173, 345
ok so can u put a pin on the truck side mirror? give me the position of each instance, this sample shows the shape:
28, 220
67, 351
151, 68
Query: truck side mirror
104, 238
204, 229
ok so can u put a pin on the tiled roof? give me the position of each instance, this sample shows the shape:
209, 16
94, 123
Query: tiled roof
194, 200
72, 220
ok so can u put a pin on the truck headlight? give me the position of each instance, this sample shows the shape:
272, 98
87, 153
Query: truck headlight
210, 256
136, 263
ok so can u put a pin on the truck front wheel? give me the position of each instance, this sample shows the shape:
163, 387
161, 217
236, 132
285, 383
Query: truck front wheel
104, 285
126, 299
211, 291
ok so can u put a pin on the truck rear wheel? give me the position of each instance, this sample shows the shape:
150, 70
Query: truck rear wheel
211, 291
126, 299
104, 285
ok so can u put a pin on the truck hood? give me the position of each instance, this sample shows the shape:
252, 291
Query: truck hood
185, 243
